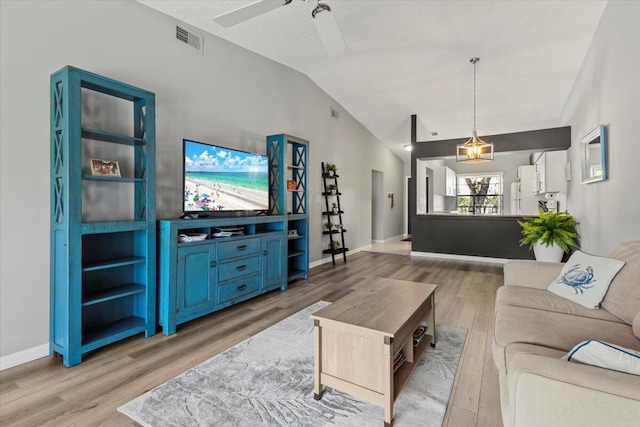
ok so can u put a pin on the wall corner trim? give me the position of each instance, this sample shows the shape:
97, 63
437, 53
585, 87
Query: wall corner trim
24, 356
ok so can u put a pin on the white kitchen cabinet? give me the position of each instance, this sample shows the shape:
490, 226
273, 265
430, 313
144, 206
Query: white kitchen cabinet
444, 181
550, 174
523, 200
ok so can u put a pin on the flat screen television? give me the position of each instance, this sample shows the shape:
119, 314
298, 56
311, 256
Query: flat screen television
222, 180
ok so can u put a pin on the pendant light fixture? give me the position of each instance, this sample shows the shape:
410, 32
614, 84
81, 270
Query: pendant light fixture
474, 150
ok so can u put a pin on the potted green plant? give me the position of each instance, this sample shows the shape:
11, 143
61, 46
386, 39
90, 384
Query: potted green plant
334, 245
333, 188
550, 234
332, 168
328, 226
334, 208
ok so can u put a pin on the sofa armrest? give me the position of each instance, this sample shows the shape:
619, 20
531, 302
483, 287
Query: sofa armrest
549, 391
531, 274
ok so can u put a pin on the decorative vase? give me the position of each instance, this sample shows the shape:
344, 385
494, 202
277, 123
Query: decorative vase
551, 253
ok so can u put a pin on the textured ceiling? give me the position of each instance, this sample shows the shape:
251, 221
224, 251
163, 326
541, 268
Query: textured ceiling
412, 57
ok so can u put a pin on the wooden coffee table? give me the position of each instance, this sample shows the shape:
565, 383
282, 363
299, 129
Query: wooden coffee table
358, 337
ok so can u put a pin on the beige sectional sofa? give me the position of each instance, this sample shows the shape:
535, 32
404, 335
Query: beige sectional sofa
534, 329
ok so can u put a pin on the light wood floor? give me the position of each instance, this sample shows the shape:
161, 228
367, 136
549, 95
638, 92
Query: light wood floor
43, 392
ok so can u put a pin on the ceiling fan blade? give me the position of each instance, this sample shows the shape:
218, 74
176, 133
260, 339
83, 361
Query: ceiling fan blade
329, 31
249, 11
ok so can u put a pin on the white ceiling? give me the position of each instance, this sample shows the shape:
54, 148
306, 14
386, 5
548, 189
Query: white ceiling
412, 57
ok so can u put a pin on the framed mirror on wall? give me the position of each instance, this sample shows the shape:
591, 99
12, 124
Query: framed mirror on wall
593, 154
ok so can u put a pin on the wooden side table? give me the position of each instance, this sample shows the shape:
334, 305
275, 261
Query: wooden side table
358, 337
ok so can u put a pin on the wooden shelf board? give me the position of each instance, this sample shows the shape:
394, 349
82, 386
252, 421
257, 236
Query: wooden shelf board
115, 138
295, 253
109, 294
295, 274
111, 178
299, 236
101, 335
113, 227
113, 263
334, 231
335, 252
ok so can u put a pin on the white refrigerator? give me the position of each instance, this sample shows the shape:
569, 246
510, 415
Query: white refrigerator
523, 200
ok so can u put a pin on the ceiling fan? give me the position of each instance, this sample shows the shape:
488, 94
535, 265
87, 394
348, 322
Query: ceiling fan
325, 22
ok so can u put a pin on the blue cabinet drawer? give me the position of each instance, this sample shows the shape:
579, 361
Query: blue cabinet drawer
240, 247
243, 267
238, 288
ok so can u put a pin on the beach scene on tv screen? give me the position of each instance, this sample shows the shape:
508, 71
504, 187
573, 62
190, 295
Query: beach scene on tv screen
220, 179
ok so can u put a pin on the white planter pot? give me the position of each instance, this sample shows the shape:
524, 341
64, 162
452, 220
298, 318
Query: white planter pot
551, 253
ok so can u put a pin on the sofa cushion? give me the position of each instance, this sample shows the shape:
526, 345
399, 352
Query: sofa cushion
623, 297
545, 300
554, 330
511, 350
605, 355
636, 325
585, 279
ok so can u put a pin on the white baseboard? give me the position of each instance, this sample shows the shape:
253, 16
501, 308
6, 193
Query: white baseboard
24, 356
460, 257
328, 259
390, 238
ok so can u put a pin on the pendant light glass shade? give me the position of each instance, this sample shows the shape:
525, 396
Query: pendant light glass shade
474, 150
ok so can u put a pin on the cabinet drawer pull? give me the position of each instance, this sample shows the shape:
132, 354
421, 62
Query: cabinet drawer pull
241, 267
265, 252
241, 287
241, 247
213, 264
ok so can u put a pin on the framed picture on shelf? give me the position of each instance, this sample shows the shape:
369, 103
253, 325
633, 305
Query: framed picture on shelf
104, 167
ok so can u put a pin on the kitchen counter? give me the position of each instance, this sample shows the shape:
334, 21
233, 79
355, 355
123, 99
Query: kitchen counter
493, 236
472, 216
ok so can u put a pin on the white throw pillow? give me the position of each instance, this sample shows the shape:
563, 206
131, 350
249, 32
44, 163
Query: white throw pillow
585, 278
605, 355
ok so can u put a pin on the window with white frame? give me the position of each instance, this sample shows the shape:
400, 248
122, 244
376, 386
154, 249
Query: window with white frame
480, 193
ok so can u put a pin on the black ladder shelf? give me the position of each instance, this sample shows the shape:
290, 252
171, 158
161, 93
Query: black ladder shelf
333, 227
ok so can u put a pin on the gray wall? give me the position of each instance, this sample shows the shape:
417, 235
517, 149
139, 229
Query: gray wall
227, 96
606, 91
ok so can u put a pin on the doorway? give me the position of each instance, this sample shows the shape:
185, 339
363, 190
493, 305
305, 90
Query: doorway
377, 206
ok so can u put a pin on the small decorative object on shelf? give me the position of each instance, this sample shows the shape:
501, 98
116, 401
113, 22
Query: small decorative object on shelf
291, 185
104, 167
333, 226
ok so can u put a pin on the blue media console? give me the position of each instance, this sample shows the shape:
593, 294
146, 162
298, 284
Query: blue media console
198, 277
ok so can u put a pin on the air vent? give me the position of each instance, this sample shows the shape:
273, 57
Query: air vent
188, 37
334, 114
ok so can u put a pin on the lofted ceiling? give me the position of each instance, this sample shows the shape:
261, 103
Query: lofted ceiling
409, 57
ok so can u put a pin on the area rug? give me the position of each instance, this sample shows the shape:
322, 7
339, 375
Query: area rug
267, 380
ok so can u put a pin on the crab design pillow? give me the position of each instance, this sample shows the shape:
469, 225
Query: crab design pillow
585, 278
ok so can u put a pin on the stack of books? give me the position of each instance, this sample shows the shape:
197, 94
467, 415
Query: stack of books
418, 334
398, 361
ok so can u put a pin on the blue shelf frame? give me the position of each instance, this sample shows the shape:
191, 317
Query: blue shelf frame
85, 316
279, 148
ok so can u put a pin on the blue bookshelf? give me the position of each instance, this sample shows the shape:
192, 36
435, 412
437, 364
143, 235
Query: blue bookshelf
288, 157
103, 274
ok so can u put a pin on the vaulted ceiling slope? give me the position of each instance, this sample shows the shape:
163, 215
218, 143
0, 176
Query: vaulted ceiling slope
412, 57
